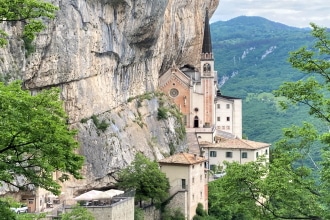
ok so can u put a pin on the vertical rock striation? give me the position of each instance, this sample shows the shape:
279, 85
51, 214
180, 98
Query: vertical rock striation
102, 52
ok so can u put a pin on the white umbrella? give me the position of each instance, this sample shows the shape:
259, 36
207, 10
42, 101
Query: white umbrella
95, 195
113, 192
90, 195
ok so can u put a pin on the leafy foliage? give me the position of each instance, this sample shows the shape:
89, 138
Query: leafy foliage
289, 187
200, 212
169, 214
138, 213
162, 113
146, 178
28, 12
251, 54
78, 213
35, 139
30, 216
234, 196
103, 125
5, 211
6, 214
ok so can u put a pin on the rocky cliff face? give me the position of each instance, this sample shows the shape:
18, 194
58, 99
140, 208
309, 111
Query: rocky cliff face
101, 53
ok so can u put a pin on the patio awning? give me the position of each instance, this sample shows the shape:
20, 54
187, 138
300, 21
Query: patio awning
98, 195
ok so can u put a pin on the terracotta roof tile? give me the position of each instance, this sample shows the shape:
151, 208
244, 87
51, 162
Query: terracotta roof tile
237, 143
183, 158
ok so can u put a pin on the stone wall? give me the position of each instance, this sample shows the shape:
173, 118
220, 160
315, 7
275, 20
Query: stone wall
123, 210
179, 201
151, 213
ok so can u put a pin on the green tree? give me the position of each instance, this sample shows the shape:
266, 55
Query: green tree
170, 214
6, 213
78, 213
234, 196
289, 187
30, 216
28, 12
35, 139
138, 213
145, 177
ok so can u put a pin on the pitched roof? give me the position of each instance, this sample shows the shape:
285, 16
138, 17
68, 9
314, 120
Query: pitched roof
183, 158
237, 143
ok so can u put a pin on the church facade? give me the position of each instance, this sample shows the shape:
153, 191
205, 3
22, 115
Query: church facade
195, 91
213, 125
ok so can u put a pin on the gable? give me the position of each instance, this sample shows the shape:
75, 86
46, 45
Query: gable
173, 75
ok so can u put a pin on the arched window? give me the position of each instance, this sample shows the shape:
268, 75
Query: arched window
207, 67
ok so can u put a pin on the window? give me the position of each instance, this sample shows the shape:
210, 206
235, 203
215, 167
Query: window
244, 155
185, 119
227, 106
227, 127
174, 92
228, 118
201, 193
183, 183
257, 154
193, 180
229, 154
266, 152
207, 67
218, 118
218, 106
212, 167
213, 154
201, 178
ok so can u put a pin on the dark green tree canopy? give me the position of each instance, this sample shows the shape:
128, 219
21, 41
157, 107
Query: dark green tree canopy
35, 139
146, 178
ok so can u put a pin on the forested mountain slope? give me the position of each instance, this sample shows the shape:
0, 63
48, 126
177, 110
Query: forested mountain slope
251, 59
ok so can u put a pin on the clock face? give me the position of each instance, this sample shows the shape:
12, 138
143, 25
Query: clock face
174, 92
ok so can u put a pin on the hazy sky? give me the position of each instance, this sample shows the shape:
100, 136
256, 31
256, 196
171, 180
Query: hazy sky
297, 13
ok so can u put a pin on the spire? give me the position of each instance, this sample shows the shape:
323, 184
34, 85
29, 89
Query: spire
207, 46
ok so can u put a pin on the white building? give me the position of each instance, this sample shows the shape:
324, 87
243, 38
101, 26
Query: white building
233, 149
228, 112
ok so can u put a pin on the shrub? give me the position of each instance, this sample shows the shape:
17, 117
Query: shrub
162, 113
101, 126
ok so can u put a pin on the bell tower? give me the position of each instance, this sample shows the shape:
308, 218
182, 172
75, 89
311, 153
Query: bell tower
208, 78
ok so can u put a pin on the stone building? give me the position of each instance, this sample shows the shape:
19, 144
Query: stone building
188, 182
213, 121
230, 148
194, 91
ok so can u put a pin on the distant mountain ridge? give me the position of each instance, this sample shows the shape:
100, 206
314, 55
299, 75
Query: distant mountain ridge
251, 56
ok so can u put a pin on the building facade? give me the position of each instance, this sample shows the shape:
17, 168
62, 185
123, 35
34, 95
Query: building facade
234, 149
194, 89
188, 182
228, 113
212, 119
